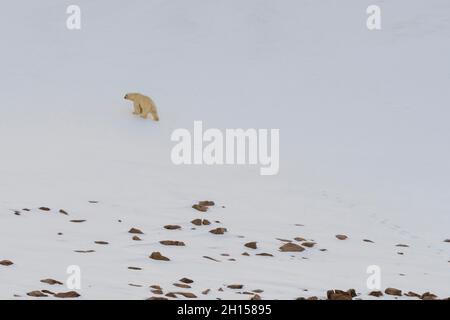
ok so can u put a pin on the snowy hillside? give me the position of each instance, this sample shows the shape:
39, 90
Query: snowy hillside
363, 118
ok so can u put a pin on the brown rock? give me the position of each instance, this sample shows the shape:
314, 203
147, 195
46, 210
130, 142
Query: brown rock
84, 251
47, 292
134, 268
157, 298
172, 227
313, 298
188, 295
402, 245
206, 222
171, 295
308, 244
256, 297
65, 295
200, 208
339, 295
158, 256
218, 231
206, 291
6, 263
155, 286
235, 286
447, 240
44, 209
413, 294
101, 242
172, 243
77, 221
251, 245
264, 254
209, 258
367, 240
300, 239
135, 231
51, 281
136, 238
206, 203
245, 254
258, 291
291, 247
157, 291
62, 211
341, 236
197, 222
284, 240
428, 296
37, 294
376, 294
182, 285
393, 292
186, 280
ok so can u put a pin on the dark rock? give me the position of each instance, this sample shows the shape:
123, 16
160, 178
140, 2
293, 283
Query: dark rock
291, 247
172, 243
158, 256
393, 292
51, 281
135, 231
69, 294
251, 245
218, 231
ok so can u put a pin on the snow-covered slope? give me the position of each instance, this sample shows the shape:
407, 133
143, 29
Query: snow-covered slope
363, 119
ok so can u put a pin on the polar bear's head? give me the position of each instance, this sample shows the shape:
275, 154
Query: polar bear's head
130, 96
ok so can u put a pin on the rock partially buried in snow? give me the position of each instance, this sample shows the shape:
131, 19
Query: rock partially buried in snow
135, 231
291, 247
102, 242
218, 231
172, 243
158, 256
200, 208
265, 254
447, 240
62, 211
51, 281
393, 292
77, 221
6, 263
186, 280
376, 294
235, 286
188, 295
67, 295
136, 238
341, 237
182, 285
341, 295
308, 244
251, 245
44, 209
428, 296
37, 294
172, 227
206, 203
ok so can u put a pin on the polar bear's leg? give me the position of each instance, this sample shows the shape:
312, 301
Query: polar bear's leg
137, 108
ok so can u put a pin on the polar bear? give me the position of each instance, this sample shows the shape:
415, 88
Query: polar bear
143, 105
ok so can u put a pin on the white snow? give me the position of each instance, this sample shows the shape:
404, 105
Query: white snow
363, 119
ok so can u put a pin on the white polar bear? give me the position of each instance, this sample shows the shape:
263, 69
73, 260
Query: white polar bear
143, 105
